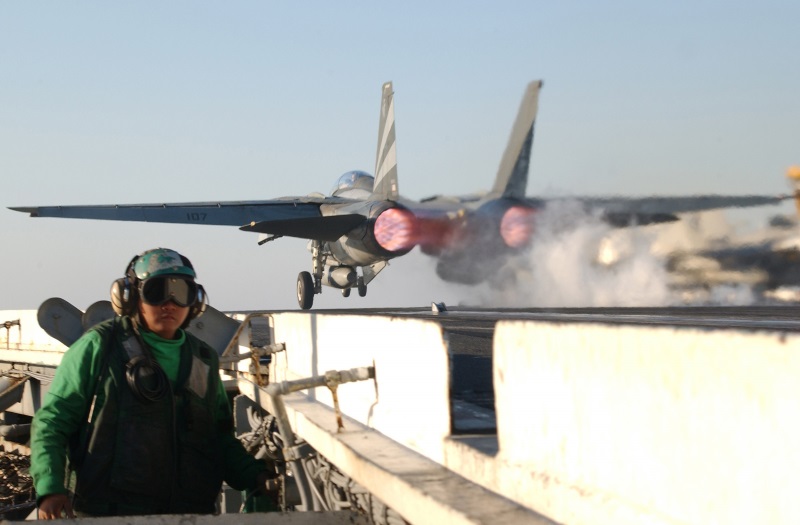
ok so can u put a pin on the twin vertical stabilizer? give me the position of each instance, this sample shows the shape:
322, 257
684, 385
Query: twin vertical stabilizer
512, 176
385, 187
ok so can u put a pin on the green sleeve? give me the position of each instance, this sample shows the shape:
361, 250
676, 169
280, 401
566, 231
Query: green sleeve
62, 413
240, 469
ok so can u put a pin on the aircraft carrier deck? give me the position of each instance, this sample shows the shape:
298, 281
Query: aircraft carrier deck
576, 416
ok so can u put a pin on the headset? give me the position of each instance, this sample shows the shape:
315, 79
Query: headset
125, 291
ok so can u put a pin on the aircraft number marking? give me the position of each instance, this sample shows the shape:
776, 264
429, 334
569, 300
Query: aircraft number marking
196, 217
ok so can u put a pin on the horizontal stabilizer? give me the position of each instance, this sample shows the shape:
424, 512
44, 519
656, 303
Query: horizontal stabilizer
318, 228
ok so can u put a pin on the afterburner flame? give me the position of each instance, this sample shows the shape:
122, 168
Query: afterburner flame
395, 230
516, 227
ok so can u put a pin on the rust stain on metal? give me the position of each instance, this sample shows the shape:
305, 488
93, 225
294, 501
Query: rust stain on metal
339, 424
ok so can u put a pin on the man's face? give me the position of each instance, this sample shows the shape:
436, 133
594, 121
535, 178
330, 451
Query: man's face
164, 319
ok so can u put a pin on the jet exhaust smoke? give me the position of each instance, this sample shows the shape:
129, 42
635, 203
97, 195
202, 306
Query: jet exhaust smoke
576, 260
562, 266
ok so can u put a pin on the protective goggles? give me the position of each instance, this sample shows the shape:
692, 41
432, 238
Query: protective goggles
158, 290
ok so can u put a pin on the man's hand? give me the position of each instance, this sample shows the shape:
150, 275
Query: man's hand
55, 507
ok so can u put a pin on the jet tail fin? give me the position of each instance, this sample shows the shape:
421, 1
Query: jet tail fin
512, 176
385, 186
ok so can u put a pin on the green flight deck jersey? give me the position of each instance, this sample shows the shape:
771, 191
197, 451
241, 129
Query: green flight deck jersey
138, 456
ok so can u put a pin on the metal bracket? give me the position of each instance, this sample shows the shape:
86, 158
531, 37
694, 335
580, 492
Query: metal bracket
7, 325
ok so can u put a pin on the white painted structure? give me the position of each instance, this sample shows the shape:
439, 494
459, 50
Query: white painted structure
596, 424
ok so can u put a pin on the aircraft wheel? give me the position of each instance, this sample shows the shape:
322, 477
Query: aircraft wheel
305, 290
362, 288
345, 292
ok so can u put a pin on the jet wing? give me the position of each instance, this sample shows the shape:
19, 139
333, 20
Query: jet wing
624, 211
680, 204
290, 216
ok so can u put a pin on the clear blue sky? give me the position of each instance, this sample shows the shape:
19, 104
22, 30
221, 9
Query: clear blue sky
125, 102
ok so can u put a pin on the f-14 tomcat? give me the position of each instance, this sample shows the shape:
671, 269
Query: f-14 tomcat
364, 223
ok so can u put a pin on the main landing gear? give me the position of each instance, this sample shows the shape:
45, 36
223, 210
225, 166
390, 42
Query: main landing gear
305, 290
310, 283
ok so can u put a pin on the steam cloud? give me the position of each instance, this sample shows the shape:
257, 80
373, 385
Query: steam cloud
576, 260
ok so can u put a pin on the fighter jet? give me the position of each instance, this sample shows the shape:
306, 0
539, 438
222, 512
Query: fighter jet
360, 226
364, 222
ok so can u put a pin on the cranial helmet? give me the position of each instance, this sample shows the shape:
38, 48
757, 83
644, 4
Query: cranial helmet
161, 261
153, 264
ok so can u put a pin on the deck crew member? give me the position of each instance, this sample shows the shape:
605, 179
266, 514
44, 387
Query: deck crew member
138, 410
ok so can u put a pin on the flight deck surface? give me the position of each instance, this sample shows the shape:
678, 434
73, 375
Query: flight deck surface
542, 415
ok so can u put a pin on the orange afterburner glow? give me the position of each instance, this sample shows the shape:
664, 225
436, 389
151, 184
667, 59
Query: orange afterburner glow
516, 227
395, 230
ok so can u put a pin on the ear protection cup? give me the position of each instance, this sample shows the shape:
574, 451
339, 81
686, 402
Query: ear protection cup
124, 294
199, 306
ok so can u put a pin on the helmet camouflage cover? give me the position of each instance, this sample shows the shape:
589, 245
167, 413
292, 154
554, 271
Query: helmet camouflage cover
162, 261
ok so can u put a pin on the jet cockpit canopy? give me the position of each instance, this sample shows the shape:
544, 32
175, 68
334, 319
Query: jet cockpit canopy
360, 180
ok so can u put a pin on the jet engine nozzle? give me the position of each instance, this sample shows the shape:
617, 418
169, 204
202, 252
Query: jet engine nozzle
516, 226
396, 230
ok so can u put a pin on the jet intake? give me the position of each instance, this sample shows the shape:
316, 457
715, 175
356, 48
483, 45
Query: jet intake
340, 276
